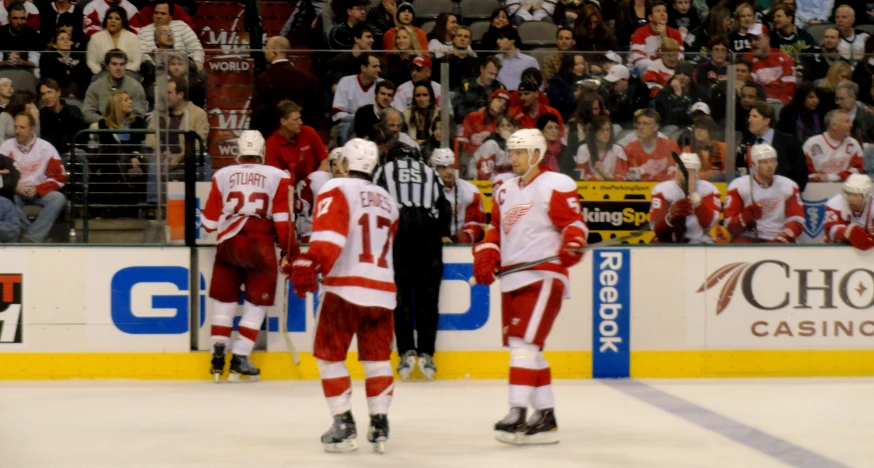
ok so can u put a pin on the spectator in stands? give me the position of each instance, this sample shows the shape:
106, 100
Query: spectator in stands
181, 115
714, 71
404, 49
118, 163
346, 63
772, 69
22, 100
829, 54
683, 17
479, 124
633, 15
341, 37
146, 15
563, 89
687, 135
622, 95
537, 10
840, 71
497, 22
593, 36
382, 18
750, 94
114, 36
710, 151
9, 177
647, 41
812, 12
295, 147
440, 39
492, 157
32, 13
6, 91
797, 43
184, 38
354, 92
564, 42
548, 125
423, 111
598, 157
420, 70
21, 42
72, 25
69, 69
368, 116
864, 71
97, 95
50, 15
513, 59
59, 121
833, 155
404, 18
800, 117
649, 156
42, 176
589, 105
674, 100
94, 14
272, 86
659, 71
791, 162
846, 95
388, 136
433, 141
180, 65
530, 108
474, 92
852, 45
744, 19
10, 224
463, 61
717, 24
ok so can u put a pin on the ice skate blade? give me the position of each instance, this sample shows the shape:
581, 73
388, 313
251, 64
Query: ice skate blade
239, 378
541, 438
512, 438
217, 376
379, 446
345, 446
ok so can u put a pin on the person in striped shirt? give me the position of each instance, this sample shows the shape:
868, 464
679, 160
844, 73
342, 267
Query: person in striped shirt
184, 37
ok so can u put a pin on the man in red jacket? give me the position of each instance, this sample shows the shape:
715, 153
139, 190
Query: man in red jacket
772, 69
530, 108
295, 147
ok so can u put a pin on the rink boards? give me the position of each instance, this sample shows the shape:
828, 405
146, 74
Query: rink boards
126, 312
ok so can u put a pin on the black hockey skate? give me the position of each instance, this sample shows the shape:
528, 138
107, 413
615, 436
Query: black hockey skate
377, 434
217, 366
341, 436
510, 429
541, 428
242, 370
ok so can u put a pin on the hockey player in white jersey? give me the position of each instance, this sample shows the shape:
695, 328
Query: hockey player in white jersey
681, 218
534, 215
467, 222
849, 216
248, 206
334, 162
762, 206
351, 247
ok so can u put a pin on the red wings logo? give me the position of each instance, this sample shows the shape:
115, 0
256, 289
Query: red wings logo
513, 216
728, 289
769, 205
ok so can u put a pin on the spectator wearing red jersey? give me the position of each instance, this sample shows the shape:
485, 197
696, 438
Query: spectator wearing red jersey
530, 108
650, 155
42, 176
772, 69
478, 125
660, 71
92, 15
295, 147
647, 40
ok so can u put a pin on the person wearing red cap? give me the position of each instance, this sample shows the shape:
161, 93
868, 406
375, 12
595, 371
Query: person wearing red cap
480, 124
473, 93
420, 70
772, 69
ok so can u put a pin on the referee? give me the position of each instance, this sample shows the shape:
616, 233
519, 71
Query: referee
418, 255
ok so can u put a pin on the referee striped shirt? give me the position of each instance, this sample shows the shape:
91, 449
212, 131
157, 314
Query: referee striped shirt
412, 184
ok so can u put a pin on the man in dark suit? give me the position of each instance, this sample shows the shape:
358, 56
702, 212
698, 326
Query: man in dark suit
280, 82
791, 162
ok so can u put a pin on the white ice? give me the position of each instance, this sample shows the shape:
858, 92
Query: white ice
440, 424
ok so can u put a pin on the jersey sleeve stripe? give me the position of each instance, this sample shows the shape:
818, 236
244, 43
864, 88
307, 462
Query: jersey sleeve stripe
280, 217
360, 282
208, 223
330, 237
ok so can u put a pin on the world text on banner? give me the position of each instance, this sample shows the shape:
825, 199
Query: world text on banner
611, 310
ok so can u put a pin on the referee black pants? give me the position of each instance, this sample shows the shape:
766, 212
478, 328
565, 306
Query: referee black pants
418, 262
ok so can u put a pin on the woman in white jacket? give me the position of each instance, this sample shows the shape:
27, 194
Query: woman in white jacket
115, 35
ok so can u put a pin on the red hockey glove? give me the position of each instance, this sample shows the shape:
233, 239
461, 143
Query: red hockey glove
571, 250
303, 275
486, 259
751, 213
859, 238
679, 210
465, 237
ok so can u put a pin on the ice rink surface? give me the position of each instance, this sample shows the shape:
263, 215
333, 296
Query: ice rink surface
652, 423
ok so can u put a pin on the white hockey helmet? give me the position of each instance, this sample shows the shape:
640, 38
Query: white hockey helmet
762, 151
442, 157
361, 155
251, 143
335, 154
691, 161
528, 139
858, 183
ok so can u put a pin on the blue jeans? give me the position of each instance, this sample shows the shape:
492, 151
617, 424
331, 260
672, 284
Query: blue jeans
52, 205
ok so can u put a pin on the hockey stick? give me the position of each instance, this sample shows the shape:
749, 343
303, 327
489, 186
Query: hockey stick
283, 316
596, 245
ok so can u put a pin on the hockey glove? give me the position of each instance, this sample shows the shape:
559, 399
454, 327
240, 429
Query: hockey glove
486, 258
751, 213
858, 237
784, 238
571, 250
303, 275
679, 210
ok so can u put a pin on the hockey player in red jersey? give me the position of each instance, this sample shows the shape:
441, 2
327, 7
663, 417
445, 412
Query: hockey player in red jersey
849, 216
766, 208
351, 247
678, 217
248, 206
534, 215
468, 220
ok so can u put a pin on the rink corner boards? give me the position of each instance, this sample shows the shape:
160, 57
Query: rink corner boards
451, 365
